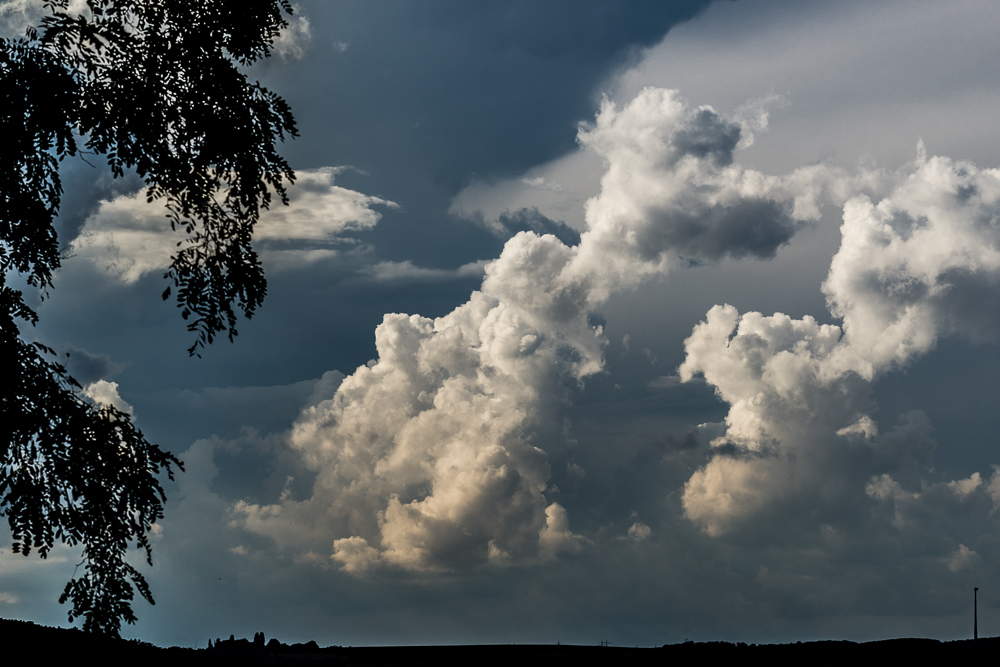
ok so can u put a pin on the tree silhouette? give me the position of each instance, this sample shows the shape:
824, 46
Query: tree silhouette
155, 86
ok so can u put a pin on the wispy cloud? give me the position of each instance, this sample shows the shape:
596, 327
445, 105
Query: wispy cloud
129, 238
408, 271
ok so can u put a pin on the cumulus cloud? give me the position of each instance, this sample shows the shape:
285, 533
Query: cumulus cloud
964, 487
673, 193
129, 237
639, 531
447, 451
105, 393
556, 537
355, 555
964, 558
295, 38
919, 264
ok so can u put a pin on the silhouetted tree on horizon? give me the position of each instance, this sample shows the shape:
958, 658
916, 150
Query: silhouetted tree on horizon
155, 86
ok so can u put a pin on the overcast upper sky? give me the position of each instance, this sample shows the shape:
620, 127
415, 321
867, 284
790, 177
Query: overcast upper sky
587, 321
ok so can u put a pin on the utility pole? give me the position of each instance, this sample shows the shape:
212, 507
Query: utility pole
975, 614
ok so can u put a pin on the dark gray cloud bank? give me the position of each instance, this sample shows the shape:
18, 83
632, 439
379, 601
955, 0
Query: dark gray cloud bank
643, 368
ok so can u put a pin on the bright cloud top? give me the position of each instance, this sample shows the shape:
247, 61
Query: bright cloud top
129, 237
449, 450
921, 263
294, 39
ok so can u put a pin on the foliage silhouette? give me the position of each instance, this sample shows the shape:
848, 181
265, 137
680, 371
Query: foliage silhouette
156, 87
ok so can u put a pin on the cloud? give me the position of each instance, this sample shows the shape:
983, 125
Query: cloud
964, 487
639, 531
754, 116
531, 220
406, 270
671, 187
542, 183
16, 16
663, 381
922, 263
294, 39
226, 412
129, 237
558, 190
446, 453
556, 537
126, 238
319, 210
105, 393
86, 367
963, 559
673, 193
355, 555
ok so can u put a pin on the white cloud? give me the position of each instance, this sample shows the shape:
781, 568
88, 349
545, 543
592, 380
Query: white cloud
555, 537
126, 237
921, 263
639, 531
355, 555
104, 393
437, 455
129, 237
294, 39
673, 193
964, 487
964, 558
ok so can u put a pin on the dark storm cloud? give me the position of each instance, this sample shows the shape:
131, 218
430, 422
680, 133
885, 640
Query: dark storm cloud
424, 96
421, 96
531, 220
86, 367
708, 135
753, 227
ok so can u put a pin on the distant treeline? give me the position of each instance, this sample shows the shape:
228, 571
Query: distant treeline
22, 642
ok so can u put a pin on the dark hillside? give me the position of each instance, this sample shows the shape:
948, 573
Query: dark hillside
22, 642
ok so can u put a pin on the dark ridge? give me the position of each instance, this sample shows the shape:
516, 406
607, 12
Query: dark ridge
23, 642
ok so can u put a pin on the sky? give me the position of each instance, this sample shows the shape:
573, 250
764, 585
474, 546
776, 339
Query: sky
587, 321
